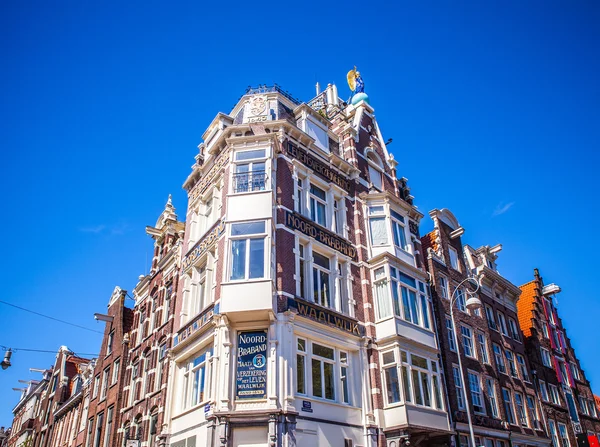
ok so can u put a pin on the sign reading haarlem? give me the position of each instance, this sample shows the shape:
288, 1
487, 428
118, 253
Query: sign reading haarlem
295, 221
251, 375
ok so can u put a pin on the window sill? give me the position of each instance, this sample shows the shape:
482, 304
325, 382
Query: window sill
406, 252
246, 193
191, 409
326, 401
246, 281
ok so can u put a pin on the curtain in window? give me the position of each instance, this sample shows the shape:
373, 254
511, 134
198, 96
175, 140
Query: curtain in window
378, 231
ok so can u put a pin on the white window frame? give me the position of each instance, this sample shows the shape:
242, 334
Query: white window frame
399, 230
194, 380
512, 365
564, 434
553, 433
523, 368
483, 351
314, 204
554, 394
490, 388
443, 284
458, 386
489, 312
377, 214
454, 258
512, 324
477, 401
546, 359
252, 184
502, 324
341, 364
376, 171
248, 238
499, 358
521, 410
450, 333
544, 391
508, 406
466, 334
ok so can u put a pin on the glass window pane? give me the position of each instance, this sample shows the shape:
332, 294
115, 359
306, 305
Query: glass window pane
420, 362
238, 256
301, 345
393, 386
300, 387
397, 216
388, 358
425, 386
325, 292
317, 192
321, 260
316, 378
408, 280
257, 258
344, 377
417, 387
329, 386
247, 228
323, 351
378, 231
406, 385
248, 155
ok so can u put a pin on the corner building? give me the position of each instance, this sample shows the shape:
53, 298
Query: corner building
294, 209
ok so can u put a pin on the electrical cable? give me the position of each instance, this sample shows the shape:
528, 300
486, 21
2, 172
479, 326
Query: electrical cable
52, 318
45, 350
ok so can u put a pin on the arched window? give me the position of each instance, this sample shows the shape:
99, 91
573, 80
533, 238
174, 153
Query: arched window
153, 427
126, 433
375, 170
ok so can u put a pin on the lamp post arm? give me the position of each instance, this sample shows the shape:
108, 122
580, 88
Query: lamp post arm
460, 365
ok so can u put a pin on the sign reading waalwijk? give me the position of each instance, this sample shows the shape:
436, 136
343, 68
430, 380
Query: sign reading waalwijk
251, 373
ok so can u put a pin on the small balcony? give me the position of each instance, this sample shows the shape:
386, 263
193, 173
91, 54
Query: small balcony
249, 181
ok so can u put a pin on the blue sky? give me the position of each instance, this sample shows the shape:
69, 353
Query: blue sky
493, 108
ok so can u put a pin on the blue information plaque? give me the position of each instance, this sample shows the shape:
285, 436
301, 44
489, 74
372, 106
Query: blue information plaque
251, 373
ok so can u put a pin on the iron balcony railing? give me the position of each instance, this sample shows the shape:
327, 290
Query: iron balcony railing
249, 181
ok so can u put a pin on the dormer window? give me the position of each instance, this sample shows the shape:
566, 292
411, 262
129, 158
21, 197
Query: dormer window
490, 264
375, 170
315, 131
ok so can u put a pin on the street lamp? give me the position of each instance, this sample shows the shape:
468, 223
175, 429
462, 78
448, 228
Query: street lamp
472, 303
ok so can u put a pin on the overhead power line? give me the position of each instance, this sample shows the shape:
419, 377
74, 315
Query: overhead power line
51, 318
78, 354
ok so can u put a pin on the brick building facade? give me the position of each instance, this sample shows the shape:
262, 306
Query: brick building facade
567, 398
298, 306
500, 396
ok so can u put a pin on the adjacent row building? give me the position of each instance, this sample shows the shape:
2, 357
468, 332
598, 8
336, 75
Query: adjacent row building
299, 305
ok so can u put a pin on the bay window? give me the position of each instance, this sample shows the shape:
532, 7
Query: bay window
409, 299
329, 376
248, 250
250, 173
413, 379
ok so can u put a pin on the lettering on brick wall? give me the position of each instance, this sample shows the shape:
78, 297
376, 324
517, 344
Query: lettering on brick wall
297, 222
321, 168
325, 316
